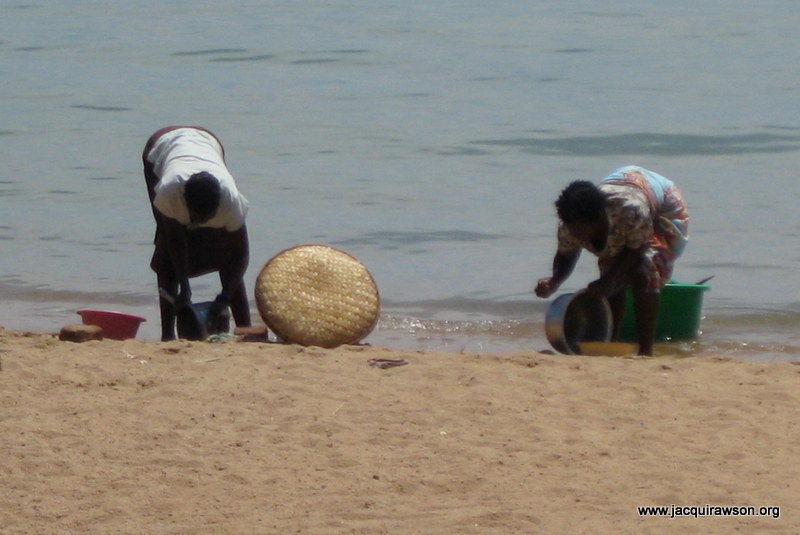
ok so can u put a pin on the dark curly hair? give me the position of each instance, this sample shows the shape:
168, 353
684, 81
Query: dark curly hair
581, 201
202, 193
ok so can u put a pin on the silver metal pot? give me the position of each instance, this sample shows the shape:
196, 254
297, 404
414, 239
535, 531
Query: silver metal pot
192, 319
577, 317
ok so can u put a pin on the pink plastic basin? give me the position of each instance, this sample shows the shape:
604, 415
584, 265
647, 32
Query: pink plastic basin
115, 325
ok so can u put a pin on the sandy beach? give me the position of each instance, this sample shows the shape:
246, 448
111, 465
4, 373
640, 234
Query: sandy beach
134, 437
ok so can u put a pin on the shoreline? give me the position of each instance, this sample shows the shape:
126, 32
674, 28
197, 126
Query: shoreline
757, 334
185, 437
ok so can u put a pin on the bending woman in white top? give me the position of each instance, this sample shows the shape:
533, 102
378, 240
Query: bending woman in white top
200, 222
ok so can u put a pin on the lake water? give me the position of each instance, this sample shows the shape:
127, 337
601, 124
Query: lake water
428, 139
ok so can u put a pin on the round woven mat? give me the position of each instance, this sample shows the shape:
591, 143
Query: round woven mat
316, 295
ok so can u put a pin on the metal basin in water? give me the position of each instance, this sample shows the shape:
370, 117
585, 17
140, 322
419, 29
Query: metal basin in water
191, 321
577, 317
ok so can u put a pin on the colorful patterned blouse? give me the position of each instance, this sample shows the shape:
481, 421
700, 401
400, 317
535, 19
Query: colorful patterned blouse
643, 208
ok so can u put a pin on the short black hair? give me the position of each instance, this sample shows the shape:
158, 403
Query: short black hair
581, 201
202, 193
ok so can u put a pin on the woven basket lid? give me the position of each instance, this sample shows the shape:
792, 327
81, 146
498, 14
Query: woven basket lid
316, 295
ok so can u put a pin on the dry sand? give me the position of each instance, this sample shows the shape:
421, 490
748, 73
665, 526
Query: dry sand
131, 437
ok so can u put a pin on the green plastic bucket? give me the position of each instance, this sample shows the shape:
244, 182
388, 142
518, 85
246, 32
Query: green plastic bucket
679, 313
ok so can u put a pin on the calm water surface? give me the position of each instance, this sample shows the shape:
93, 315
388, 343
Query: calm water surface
429, 139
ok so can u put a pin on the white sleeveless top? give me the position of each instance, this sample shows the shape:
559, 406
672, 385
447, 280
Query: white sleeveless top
179, 154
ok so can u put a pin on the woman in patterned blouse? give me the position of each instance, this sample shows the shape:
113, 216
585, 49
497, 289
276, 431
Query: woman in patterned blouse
635, 221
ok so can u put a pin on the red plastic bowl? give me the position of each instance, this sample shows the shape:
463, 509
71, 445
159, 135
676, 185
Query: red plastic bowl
115, 325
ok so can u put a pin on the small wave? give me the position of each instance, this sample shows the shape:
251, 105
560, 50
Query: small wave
499, 328
652, 144
400, 238
462, 306
211, 51
13, 291
99, 108
753, 317
412, 333
259, 57
351, 51
314, 61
